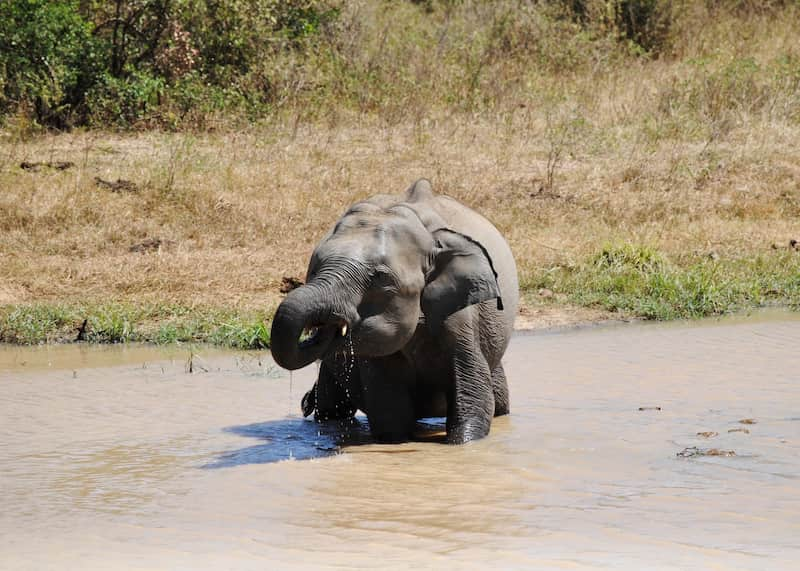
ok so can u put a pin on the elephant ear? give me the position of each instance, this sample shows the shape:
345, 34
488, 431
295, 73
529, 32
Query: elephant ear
462, 274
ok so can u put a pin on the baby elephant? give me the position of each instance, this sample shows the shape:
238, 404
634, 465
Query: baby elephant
409, 302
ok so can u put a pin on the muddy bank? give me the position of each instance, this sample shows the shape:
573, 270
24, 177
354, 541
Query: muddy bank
538, 317
119, 458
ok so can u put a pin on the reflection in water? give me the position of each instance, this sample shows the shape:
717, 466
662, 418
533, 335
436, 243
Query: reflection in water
139, 464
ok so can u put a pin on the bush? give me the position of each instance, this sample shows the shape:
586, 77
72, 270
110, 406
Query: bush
186, 63
644, 24
48, 59
126, 62
124, 102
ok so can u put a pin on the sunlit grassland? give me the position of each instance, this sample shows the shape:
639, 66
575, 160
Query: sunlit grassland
656, 187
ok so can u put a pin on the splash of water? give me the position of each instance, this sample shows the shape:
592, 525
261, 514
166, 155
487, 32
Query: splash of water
316, 391
350, 359
350, 364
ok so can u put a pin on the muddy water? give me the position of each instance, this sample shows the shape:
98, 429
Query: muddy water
119, 458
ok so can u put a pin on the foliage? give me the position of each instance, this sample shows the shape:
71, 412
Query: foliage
181, 63
118, 63
121, 102
643, 24
48, 59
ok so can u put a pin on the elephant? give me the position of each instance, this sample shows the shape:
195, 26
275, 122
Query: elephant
409, 305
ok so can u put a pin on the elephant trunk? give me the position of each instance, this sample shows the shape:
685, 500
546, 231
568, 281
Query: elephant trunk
308, 309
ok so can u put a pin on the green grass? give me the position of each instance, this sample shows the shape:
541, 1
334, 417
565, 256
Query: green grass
28, 325
639, 281
36, 323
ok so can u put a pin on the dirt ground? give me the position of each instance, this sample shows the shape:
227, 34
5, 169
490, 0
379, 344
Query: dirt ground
538, 317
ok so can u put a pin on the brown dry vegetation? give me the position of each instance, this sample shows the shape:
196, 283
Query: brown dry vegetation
693, 155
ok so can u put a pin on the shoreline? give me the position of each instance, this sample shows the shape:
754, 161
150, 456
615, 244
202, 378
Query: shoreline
171, 325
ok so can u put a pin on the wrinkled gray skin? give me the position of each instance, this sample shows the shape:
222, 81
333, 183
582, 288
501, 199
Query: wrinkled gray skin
426, 291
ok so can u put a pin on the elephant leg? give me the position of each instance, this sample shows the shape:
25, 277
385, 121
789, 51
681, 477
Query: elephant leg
328, 399
471, 405
386, 388
500, 389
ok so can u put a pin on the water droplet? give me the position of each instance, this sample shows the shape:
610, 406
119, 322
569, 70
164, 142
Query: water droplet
352, 361
316, 396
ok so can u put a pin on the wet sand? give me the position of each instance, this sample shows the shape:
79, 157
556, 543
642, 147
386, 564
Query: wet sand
119, 458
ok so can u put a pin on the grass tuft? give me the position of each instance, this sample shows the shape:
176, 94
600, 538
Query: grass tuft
240, 333
32, 324
639, 281
111, 324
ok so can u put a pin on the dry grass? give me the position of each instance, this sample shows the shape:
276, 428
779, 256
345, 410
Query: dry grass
237, 212
696, 156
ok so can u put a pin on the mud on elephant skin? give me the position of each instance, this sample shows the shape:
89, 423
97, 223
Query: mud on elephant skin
409, 303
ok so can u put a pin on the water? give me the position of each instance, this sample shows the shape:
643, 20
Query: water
118, 458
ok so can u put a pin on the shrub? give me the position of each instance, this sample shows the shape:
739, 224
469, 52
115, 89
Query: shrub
123, 102
644, 24
48, 58
116, 63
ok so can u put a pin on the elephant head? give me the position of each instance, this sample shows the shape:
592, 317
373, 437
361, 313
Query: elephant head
375, 276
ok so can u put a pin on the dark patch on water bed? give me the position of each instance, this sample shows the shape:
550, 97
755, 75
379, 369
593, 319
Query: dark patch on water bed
694, 451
